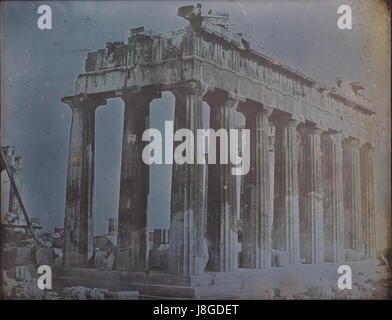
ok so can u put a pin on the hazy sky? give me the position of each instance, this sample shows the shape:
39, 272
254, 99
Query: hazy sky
40, 66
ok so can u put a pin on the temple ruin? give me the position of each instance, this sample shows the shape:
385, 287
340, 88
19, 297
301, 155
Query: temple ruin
318, 213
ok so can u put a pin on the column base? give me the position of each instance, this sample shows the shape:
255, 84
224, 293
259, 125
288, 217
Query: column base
300, 282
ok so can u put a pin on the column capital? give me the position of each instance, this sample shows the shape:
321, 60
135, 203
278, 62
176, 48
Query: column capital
263, 115
312, 128
336, 137
369, 147
286, 210
285, 119
249, 108
293, 123
189, 87
235, 96
229, 102
219, 98
353, 141
140, 94
266, 111
316, 130
83, 101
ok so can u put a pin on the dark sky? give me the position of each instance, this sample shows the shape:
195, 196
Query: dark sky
40, 66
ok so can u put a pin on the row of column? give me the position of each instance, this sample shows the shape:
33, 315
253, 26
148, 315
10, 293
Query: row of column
323, 190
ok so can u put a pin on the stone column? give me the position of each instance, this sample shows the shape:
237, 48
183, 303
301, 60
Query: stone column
188, 253
286, 220
134, 185
222, 222
368, 205
257, 216
312, 231
352, 195
78, 221
332, 162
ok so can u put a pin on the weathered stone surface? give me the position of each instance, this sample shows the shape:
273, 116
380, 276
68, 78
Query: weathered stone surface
195, 67
368, 201
104, 260
285, 235
312, 216
16, 256
280, 258
230, 65
222, 230
352, 191
78, 221
320, 292
44, 256
125, 295
134, 183
23, 273
291, 286
256, 200
187, 253
84, 293
353, 255
332, 163
159, 258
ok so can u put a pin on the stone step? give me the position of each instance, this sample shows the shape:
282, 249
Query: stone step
382, 276
143, 289
150, 297
153, 277
382, 269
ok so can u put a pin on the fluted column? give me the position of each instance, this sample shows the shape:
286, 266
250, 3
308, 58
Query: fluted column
188, 251
257, 214
78, 221
368, 205
134, 185
222, 231
312, 231
352, 195
286, 220
332, 161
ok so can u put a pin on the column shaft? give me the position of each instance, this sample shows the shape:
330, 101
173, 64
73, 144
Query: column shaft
368, 205
286, 219
78, 221
332, 161
257, 217
222, 231
134, 186
188, 251
312, 232
352, 195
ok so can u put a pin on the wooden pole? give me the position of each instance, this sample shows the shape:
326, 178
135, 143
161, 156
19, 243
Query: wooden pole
18, 197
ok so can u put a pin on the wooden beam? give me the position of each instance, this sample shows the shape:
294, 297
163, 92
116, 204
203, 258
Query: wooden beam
18, 197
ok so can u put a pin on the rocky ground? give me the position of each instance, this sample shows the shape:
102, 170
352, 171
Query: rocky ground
21, 256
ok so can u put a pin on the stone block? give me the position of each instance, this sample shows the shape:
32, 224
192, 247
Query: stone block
159, 257
352, 255
44, 256
122, 259
22, 273
291, 286
320, 292
280, 258
126, 295
15, 256
104, 260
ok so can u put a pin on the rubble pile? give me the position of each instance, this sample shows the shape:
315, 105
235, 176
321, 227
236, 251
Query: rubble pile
84, 293
21, 256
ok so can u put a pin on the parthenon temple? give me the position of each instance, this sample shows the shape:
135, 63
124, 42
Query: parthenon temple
312, 203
